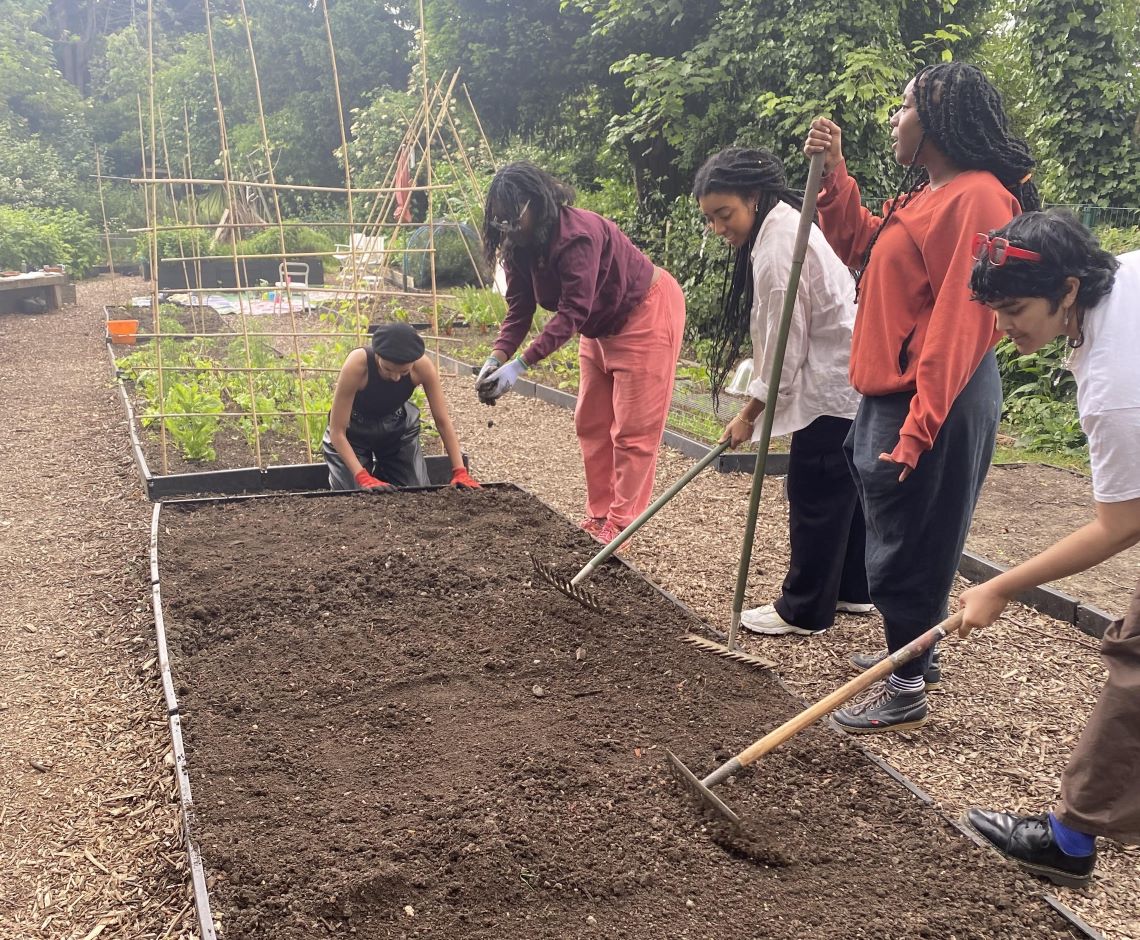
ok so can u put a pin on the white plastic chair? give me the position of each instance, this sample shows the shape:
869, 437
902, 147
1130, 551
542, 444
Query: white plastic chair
367, 249
291, 276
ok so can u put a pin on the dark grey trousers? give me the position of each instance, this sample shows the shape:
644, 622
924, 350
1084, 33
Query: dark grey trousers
916, 529
387, 447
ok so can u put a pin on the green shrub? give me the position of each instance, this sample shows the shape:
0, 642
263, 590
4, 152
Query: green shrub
185, 242
298, 238
48, 236
1040, 398
1118, 240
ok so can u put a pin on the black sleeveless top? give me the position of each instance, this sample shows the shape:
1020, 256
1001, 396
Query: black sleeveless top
380, 397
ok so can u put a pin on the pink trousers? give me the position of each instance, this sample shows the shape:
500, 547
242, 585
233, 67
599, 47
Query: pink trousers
624, 394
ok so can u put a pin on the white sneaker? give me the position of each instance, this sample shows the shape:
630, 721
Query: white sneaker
765, 620
850, 607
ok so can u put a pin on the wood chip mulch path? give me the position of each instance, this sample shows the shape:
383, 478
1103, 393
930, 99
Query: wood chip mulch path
89, 836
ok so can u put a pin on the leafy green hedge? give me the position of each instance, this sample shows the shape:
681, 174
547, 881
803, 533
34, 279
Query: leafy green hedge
48, 236
189, 242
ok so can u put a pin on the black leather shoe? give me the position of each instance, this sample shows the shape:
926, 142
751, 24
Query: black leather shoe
932, 677
1028, 840
883, 708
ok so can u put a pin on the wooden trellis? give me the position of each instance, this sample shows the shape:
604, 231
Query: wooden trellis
369, 222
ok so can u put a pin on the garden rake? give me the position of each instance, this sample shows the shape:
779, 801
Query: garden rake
799, 252
727, 821
586, 598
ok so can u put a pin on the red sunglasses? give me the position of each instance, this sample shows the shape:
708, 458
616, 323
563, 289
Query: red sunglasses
999, 250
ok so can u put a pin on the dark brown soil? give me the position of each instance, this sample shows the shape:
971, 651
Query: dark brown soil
197, 320
395, 730
1026, 508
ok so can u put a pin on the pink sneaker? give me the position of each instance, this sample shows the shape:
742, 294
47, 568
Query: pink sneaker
592, 525
608, 533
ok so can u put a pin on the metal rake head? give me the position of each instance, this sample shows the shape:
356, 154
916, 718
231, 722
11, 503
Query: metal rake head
710, 646
581, 595
708, 801
724, 827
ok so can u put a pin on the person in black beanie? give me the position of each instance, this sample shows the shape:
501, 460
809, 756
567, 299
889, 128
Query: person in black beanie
372, 441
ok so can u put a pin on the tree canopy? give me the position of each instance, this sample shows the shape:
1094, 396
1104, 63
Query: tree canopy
611, 93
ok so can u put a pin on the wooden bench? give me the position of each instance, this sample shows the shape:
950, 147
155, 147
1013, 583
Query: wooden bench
19, 287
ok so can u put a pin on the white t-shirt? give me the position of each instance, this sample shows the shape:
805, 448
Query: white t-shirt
813, 381
1108, 386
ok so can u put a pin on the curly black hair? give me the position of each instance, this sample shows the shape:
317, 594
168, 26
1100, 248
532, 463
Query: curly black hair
751, 174
1067, 249
516, 185
963, 116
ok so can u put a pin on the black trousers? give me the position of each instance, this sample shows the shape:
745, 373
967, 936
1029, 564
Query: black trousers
825, 524
916, 529
387, 447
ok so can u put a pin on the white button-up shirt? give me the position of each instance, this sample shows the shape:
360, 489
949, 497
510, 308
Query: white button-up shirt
813, 381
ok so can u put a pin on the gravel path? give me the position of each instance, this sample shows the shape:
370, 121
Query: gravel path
89, 838
1015, 695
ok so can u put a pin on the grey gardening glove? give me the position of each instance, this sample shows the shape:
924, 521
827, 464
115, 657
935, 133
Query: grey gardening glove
501, 381
481, 385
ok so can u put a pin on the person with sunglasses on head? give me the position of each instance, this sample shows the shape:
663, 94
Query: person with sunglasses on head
744, 196
1047, 277
372, 441
630, 317
921, 355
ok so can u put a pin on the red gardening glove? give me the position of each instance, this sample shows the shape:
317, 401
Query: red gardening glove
462, 480
366, 481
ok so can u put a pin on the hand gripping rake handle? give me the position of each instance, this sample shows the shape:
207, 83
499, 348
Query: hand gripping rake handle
774, 739
799, 252
650, 511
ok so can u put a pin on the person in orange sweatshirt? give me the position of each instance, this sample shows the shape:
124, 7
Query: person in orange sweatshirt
922, 355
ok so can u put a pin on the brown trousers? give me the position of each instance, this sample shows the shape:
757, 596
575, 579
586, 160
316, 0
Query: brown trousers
1100, 788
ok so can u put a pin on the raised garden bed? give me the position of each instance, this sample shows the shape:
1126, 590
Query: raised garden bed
391, 730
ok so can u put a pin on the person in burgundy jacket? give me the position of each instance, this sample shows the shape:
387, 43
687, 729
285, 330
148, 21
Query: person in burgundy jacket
922, 354
630, 316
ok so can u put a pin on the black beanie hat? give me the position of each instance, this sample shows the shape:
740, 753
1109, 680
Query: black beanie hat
397, 342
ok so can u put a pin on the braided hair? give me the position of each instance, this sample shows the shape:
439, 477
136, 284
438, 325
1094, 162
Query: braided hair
517, 185
963, 116
752, 175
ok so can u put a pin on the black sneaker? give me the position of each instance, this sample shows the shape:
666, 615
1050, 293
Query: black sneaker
1028, 840
883, 708
932, 676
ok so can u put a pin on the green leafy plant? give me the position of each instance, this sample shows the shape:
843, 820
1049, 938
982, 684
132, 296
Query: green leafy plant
1040, 398
482, 309
1118, 240
193, 434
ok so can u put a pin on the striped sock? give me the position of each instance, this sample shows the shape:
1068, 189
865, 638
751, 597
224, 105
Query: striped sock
907, 686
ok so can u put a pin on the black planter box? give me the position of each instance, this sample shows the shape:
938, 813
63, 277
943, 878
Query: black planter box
218, 273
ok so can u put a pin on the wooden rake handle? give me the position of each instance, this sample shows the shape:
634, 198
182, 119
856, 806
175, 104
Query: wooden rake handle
649, 513
829, 703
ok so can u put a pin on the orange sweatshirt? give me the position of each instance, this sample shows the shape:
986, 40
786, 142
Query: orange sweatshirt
916, 328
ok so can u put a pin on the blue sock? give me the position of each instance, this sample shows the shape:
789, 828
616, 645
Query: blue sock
1071, 841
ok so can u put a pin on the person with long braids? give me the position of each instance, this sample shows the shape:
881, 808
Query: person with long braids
922, 355
630, 316
744, 196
